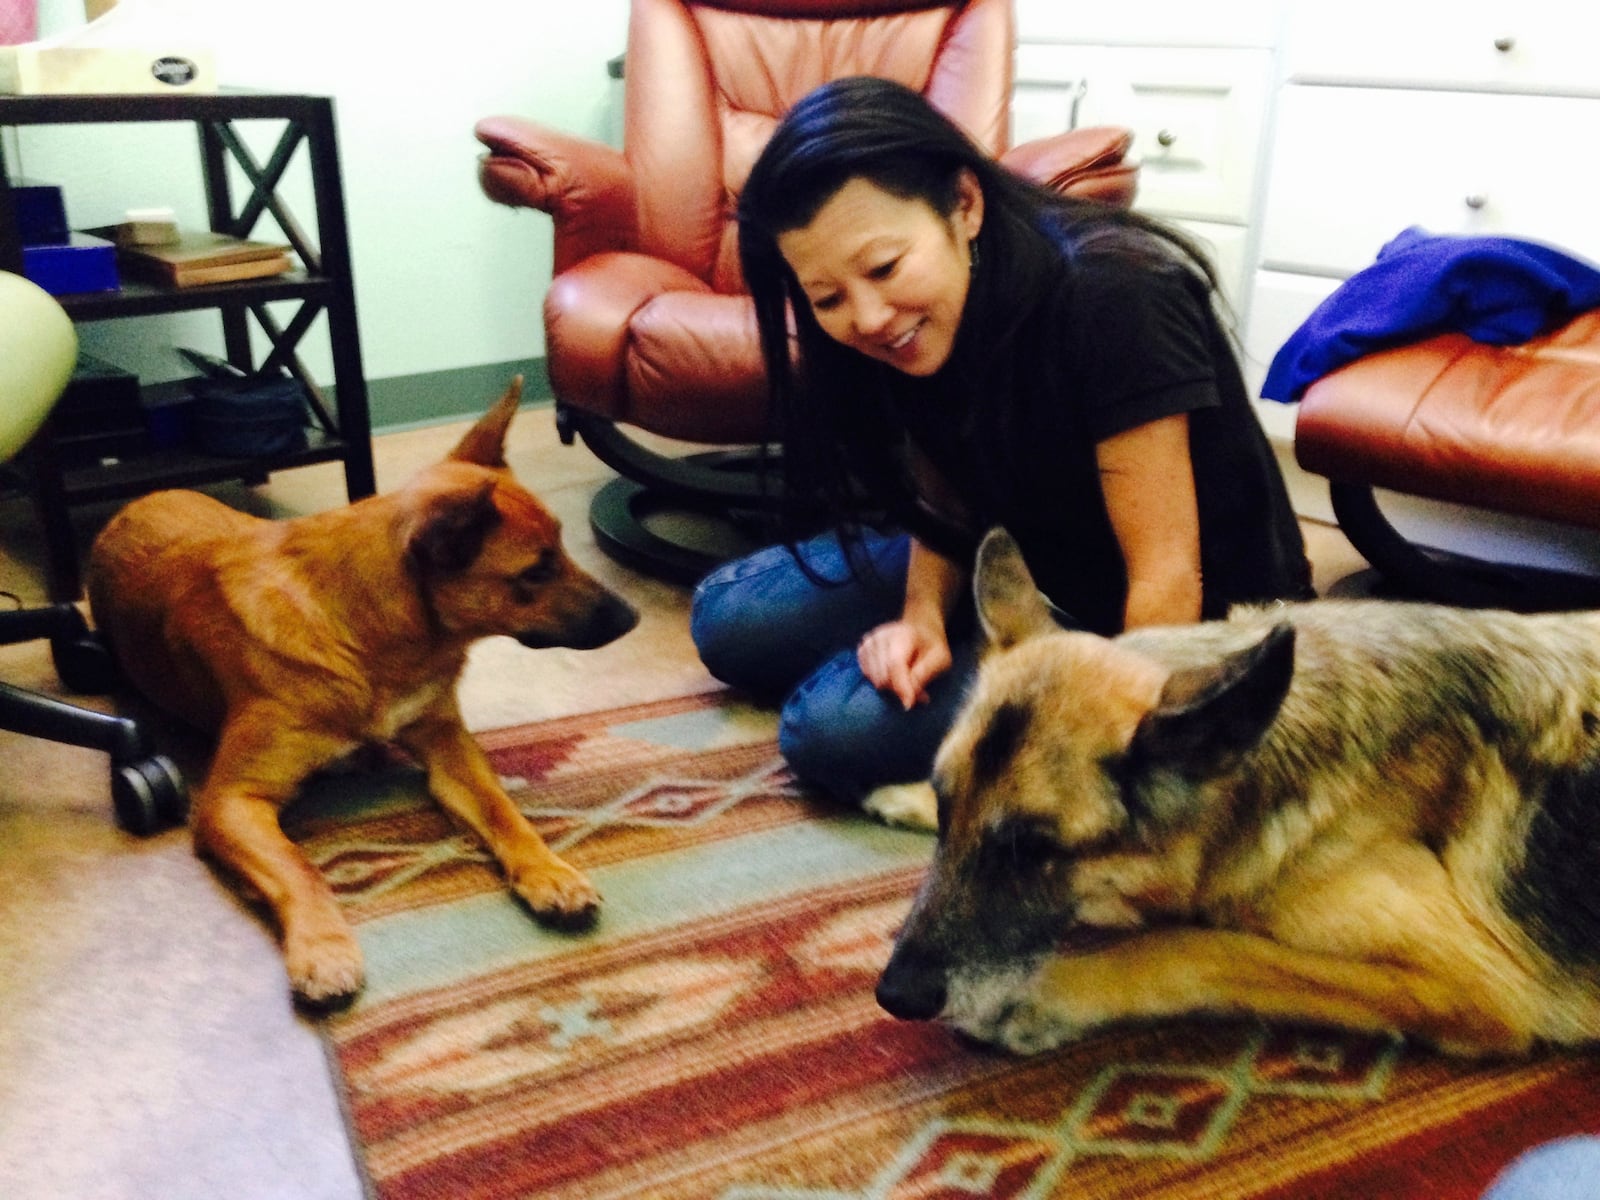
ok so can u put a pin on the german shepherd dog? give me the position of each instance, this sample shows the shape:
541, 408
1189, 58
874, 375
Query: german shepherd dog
1366, 814
300, 640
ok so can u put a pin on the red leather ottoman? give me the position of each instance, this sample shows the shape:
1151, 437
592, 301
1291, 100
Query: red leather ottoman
1514, 429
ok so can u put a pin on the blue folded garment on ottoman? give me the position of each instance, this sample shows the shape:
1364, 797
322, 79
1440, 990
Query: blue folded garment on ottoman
1497, 290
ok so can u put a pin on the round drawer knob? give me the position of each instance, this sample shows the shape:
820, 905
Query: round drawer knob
1477, 200
1504, 44
1166, 137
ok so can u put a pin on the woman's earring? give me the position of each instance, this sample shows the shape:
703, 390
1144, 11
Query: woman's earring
972, 253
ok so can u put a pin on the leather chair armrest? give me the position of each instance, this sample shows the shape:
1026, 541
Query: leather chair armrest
1087, 162
585, 186
589, 312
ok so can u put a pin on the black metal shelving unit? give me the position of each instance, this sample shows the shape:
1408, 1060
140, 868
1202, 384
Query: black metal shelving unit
323, 290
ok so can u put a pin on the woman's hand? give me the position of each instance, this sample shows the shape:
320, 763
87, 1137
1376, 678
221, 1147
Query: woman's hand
902, 657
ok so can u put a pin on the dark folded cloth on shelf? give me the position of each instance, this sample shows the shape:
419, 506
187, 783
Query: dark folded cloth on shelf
249, 417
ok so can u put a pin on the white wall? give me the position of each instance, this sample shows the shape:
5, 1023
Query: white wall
444, 278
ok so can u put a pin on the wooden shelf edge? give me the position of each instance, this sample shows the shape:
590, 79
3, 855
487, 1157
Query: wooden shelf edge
159, 469
142, 299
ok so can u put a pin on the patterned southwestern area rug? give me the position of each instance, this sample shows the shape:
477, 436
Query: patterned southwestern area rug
716, 1037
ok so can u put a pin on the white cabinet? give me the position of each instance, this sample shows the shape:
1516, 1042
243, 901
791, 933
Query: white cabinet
1193, 91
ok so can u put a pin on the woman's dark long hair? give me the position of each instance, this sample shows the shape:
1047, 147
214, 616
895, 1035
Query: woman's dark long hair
842, 447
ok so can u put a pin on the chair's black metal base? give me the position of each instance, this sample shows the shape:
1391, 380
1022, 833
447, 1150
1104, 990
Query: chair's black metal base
631, 523
717, 504
147, 791
1412, 572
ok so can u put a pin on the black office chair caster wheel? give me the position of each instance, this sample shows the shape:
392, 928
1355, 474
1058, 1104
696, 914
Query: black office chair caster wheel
84, 664
149, 795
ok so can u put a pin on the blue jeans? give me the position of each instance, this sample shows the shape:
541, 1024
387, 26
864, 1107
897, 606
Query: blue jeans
761, 626
1565, 1169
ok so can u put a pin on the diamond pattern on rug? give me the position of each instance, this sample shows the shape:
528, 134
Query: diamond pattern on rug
1144, 1109
963, 1162
573, 746
662, 801
1310, 1063
1137, 1110
360, 871
491, 1046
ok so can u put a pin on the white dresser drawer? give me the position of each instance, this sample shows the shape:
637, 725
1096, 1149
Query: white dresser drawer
1195, 115
1353, 167
1532, 45
1151, 22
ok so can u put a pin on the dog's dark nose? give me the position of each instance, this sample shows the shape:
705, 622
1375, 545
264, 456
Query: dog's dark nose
911, 987
611, 618
608, 619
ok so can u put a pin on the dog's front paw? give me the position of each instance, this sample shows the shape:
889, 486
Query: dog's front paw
325, 969
1005, 1009
559, 895
908, 805
1024, 1028
1027, 1028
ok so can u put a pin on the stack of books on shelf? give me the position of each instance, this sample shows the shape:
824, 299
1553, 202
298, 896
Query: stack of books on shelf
189, 258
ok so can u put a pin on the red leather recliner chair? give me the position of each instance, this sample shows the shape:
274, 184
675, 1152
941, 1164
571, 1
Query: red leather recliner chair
646, 320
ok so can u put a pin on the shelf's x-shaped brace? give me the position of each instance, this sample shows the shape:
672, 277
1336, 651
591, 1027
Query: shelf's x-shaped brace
263, 188
284, 340
264, 198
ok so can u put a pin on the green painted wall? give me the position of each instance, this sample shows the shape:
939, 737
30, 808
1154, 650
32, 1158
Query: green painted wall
439, 396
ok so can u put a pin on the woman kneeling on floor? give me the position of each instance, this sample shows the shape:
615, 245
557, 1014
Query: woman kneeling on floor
974, 350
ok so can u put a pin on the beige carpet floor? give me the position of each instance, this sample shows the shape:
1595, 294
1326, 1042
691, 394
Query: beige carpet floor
148, 1049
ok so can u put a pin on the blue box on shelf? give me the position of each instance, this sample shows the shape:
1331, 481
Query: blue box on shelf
41, 213
82, 263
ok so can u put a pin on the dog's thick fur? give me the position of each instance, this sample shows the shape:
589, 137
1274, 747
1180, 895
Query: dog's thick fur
1374, 815
300, 640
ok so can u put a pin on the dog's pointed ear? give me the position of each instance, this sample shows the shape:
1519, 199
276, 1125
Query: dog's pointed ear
445, 534
485, 443
1210, 714
1011, 608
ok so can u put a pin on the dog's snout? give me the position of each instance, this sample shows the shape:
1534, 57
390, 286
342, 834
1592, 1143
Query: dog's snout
912, 987
608, 621
601, 623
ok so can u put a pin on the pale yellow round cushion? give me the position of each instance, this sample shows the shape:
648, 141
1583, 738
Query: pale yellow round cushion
38, 349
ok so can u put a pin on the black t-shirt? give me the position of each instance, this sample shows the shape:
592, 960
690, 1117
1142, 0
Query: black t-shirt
1120, 345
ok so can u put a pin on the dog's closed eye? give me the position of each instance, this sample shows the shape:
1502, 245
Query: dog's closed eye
527, 583
1024, 845
542, 570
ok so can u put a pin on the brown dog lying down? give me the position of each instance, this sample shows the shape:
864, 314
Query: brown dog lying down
1376, 815
300, 640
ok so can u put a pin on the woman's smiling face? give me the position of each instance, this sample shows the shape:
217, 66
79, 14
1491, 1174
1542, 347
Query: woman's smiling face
888, 276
